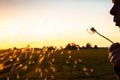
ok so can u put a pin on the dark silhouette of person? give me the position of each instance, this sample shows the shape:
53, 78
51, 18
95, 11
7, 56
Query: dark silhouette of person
114, 49
115, 11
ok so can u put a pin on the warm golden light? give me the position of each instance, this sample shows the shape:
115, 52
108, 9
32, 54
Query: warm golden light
50, 24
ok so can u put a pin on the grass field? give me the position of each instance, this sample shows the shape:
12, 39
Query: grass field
22, 64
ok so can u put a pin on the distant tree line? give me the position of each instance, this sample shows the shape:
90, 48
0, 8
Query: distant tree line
73, 46
69, 46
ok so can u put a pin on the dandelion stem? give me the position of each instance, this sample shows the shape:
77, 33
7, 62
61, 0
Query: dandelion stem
93, 30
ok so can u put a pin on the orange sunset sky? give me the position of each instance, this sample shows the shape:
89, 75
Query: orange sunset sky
55, 22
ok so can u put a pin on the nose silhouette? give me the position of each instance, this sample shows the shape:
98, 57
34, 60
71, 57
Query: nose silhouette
113, 11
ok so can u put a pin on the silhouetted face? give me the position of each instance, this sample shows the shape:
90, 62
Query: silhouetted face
115, 11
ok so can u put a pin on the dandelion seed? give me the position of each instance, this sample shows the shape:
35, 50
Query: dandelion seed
84, 69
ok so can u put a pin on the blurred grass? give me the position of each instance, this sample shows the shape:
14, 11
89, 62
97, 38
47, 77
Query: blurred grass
85, 64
